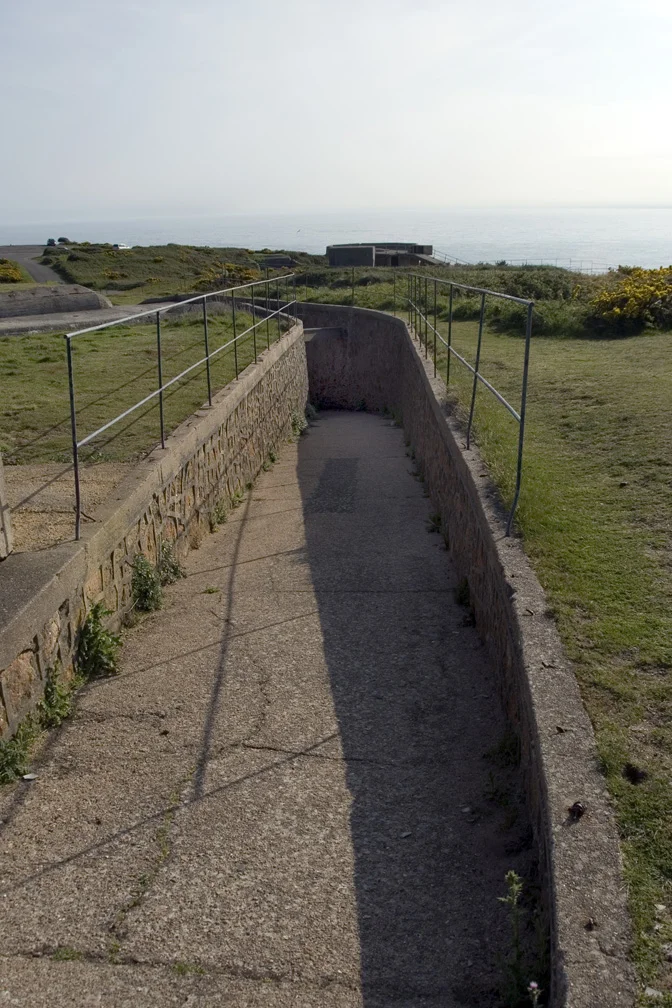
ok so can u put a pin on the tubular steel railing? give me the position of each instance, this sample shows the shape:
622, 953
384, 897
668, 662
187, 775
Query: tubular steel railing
249, 289
422, 294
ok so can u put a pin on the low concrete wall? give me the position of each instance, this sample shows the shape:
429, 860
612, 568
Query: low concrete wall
44, 595
49, 299
369, 357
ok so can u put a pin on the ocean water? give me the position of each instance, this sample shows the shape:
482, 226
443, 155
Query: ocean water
583, 238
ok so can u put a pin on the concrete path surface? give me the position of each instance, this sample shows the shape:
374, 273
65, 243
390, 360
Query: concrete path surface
284, 799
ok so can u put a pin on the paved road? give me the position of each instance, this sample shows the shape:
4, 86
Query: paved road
283, 800
26, 256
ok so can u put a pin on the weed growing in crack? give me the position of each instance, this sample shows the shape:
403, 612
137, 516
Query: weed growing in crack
272, 456
145, 586
170, 569
514, 968
64, 953
238, 498
534, 993
56, 703
462, 593
98, 648
184, 968
15, 752
219, 514
517, 989
507, 751
299, 424
53, 708
434, 523
310, 413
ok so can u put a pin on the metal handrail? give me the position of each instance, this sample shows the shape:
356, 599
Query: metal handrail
417, 318
514, 413
162, 386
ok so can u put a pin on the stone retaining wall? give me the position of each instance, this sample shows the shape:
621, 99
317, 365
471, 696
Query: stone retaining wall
169, 497
369, 358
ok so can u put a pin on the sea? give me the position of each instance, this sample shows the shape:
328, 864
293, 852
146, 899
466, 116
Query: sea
581, 238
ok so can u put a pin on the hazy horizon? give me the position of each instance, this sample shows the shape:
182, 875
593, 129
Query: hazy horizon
146, 108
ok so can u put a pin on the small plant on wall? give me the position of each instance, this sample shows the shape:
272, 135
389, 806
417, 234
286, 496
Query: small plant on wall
145, 586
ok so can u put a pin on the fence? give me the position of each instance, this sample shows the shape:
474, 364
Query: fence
279, 285
422, 302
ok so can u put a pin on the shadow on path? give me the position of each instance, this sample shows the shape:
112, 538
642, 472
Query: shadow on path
417, 711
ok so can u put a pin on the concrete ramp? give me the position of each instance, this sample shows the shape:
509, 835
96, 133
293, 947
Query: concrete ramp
286, 798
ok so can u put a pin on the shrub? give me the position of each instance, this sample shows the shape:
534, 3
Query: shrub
9, 273
63, 241
14, 752
642, 298
145, 586
549, 318
170, 569
97, 649
51, 241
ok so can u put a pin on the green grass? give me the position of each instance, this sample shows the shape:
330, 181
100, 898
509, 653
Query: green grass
596, 513
113, 369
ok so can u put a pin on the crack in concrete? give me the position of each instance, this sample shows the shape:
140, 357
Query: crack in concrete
231, 971
244, 744
117, 929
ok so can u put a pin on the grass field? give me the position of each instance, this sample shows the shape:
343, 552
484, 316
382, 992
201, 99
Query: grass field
596, 516
113, 370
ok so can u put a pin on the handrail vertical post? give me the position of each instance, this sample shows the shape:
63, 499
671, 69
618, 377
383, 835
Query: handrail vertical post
159, 363
268, 317
435, 328
523, 411
476, 367
450, 334
235, 334
75, 446
426, 313
353, 286
254, 327
394, 294
207, 348
277, 303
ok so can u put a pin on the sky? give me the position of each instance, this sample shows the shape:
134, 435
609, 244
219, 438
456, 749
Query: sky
147, 107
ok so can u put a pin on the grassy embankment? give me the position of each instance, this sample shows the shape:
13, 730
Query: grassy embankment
128, 276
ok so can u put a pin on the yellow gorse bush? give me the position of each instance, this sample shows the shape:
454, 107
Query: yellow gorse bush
9, 273
642, 297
